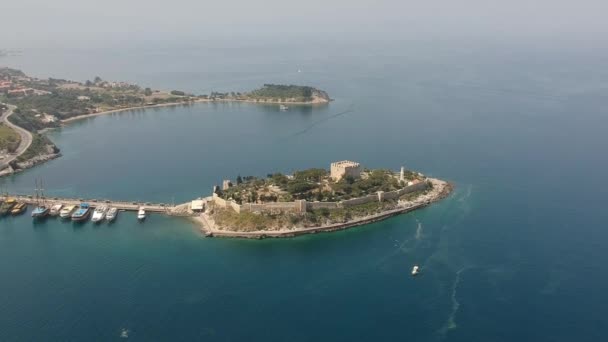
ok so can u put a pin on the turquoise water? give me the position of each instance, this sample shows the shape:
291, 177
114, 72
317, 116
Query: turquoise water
516, 253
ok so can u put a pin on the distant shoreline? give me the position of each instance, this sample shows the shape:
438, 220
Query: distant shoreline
169, 104
316, 101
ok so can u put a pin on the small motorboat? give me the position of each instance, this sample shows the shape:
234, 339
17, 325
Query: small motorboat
19, 208
111, 214
141, 214
56, 209
7, 206
283, 108
99, 214
415, 270
66, 212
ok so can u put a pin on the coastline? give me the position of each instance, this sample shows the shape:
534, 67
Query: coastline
210, 230
84, 116
316, 101
43, 158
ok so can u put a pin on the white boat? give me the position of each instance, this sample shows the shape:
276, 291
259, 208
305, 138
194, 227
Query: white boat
141, 214
56, 209
415, 270
99, 214
67, 211
111, 214
283, 107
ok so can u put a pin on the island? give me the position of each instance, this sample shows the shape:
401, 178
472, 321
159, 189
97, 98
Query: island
29, 106
312, 201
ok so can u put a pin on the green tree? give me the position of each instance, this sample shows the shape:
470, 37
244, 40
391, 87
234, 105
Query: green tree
148, 92
239, 180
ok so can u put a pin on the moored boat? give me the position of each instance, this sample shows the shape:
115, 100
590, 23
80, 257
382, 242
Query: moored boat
19, 208
141, 214
67, 211
99, 213
283, 108
6, 207
82, 213
41, 211
111, 214
56, 209
415, 270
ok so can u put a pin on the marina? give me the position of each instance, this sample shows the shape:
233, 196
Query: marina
79, 210
94, 203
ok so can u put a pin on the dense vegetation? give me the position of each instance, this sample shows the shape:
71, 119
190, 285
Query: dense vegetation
247, 221
40, 145
8, 72
283, 92
67, 99
9, 139
28, 120
311, 185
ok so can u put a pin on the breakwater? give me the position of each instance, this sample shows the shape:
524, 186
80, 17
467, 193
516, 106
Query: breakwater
120, 205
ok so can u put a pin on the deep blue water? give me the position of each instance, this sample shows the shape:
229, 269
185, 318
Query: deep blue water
516, 253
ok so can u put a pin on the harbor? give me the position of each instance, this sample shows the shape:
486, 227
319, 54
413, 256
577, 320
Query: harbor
120, 205
80, 210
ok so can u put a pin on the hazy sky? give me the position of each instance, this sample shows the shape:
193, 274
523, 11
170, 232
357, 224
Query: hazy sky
37, 21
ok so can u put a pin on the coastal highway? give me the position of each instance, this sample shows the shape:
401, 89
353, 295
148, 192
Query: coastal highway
26, 137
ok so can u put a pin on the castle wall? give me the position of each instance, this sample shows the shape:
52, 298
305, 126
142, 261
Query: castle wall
319, 205
301, 206
360, 200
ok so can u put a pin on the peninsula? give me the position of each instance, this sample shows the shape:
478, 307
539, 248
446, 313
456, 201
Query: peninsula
31, 105
312, 201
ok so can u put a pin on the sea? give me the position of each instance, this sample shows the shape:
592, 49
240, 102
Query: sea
515, 253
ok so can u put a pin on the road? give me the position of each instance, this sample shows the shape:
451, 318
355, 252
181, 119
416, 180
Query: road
26, 137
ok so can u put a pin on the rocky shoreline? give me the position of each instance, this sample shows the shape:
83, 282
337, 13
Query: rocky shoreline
16, 167
440, 191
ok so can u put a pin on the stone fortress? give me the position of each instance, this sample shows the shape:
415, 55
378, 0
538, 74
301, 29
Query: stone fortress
345, 168
338, 170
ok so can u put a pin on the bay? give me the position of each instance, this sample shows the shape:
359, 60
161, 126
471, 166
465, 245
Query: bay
515, 253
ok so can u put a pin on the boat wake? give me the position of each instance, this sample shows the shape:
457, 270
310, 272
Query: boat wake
451, 322
418, 230
467, 194
318, 122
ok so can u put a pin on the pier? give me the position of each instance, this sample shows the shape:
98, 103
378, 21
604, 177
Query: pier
120, 205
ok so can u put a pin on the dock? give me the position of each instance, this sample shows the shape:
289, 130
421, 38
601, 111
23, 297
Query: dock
120, 205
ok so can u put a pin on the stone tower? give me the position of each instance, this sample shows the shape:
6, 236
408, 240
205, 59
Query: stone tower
226, 184
345, 168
